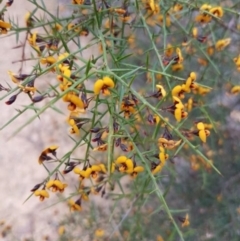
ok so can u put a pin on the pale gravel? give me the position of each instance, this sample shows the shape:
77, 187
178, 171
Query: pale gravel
19, 168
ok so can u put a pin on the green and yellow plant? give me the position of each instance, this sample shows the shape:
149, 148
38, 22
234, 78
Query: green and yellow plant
139, 107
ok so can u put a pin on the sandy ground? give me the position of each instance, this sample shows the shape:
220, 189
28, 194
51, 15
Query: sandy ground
20, 170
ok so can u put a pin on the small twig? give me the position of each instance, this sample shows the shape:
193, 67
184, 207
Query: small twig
23, 53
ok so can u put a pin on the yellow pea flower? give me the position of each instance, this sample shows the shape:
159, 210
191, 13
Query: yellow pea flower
161, 91
205, 7
56, 185
73, 99
4, 27
177, 7
48, 60
201, 90
217, 11
17, 78
126, 164
28, 19
79, 2
202, 132
104, 170
127, 106
160, 19
137, 170
195, 32
61, 230
169, 51
189, 104
190, 82
177, 109
159, 238
44, 155
74, 129
95, 169
204, 17
235, 89
75, 206
152, 6
222, 44
32, 38
185, 221
102, 147
42, 194
99, 233
156, 119
178, 91
177, 102
155, 168
179, 54
168, 144
103, 85
177, 67
83, 173
162, 155
237, 62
